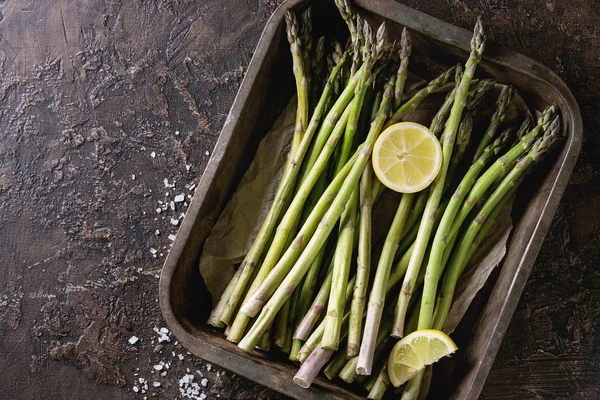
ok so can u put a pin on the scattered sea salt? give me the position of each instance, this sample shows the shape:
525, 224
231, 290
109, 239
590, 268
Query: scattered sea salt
163, 334
133, 177
174, 221
172, 237
133, 340
153, 154
158, 367
153, 250
167, 184
204, 382
179, 198
155, 384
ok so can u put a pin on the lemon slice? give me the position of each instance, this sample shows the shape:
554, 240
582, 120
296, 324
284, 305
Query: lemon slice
416, 351
407, 157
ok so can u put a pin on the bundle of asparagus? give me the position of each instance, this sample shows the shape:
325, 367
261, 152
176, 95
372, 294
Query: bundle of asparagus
318, 230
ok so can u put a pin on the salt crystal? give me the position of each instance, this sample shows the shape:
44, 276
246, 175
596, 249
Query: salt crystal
133, 340
199, 373
164, 373
181, 357
164, 330
208, 367
187, 167
179, 198
153, 250
202, 396
136, 389
157, 232
177, 132
193, 186
153, 154
172, 237
133, 177
167, 184
174, 221
158, 210
155, 384
204, 381
207, 153
172, 205
158, 367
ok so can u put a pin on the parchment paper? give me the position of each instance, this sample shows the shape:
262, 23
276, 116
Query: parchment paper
239, 222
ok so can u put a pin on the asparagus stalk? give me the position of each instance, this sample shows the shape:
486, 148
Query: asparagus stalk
349, 17
281, 324
421, 243
288, 284
363, 262
215, 316
381, 384
405, 50
525, 127
341, 270
316, 309
294, 34
377, 296
317, 66
306, 42
439, 120
311, 367
502, 104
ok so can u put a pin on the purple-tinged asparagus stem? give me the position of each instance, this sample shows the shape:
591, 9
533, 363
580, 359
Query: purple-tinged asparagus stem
311, 367
317, 307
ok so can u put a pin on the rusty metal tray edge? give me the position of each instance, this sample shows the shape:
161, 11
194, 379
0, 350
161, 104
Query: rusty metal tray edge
248, 365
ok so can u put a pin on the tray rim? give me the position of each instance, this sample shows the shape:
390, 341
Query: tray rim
437, 30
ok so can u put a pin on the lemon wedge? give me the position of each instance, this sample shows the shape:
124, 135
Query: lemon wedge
416, 351
407, 157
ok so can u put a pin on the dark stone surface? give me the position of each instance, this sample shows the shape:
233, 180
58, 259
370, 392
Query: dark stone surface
89, 90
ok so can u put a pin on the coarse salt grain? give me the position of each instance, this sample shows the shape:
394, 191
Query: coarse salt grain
133, 177
174, 221
153, 154
158, 367
155, 384
204, 382
133, 340
179, 198
172, 237
153, 250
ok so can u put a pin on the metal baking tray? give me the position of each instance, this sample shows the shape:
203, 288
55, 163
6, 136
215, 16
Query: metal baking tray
267, 87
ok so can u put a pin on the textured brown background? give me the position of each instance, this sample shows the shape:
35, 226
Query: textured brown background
89, 89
